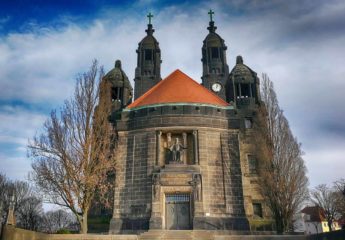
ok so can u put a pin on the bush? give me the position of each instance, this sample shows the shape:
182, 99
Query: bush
63, 231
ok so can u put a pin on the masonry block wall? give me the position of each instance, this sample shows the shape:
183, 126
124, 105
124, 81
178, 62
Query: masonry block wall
222, 146
134, 164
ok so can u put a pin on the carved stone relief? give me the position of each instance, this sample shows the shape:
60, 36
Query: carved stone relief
176, 148
196, 186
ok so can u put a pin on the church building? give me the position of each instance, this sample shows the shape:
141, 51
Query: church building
187, 154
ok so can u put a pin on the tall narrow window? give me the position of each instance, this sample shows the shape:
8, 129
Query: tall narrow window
113, 94
257, 210
248, 123
148, 55
116, 93
253, 164
214, 52
245, 90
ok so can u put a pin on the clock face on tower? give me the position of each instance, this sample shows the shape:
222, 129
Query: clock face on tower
216, 87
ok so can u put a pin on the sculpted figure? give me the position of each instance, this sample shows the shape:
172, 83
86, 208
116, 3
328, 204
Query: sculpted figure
156, 186
196, 185
177, 150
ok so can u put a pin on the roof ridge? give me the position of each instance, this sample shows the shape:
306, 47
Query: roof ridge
171, 93
150, 90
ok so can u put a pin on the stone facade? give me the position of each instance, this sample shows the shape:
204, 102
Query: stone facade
221, 144
188, 165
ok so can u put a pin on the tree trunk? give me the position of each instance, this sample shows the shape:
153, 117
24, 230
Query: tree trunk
330, 225
83, 223
279, 225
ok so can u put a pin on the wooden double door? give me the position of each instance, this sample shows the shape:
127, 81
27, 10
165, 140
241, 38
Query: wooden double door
177, 211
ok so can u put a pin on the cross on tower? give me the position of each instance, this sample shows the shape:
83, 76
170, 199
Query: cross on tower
149, 17
211, 13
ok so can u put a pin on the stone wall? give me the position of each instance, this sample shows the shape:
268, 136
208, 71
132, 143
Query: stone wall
180, 115
134, 164
221, 144
222, 183
12, 233
252, 145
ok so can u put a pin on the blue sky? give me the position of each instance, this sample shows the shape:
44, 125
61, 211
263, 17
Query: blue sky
298, 43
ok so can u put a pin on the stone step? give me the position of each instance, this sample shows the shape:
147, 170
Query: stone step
213, 235
177, 235
203, 235
152, 235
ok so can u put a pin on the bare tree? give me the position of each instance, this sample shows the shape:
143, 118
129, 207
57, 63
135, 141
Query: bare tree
29, 213
19, 190
27, 206
53, 221
340, 189
3, 181
71, 157
283, 182
327, 199
3, 184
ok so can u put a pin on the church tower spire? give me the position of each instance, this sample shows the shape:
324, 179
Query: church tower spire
148, 70
215, 67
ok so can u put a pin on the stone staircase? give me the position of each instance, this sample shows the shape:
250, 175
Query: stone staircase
213, 235
177, 235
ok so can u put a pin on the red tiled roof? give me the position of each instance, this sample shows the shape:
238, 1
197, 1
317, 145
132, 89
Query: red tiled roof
316, 213
178, 88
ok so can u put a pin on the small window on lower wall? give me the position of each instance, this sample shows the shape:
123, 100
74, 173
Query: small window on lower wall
253, 164
248, 123
257, 210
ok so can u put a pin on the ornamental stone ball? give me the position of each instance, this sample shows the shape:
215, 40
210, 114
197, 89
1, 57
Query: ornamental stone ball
239, 60
118, 64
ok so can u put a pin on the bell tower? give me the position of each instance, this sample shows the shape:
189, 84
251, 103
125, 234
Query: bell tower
243, 86
214, 65
148, 70
116, 88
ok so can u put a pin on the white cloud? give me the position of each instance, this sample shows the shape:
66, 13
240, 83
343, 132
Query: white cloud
17, 125
325, 165
15, 167
39, 66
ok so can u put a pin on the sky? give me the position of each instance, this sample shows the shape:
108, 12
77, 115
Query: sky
300, 44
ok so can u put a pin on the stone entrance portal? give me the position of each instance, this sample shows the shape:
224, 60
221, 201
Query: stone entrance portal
177, 211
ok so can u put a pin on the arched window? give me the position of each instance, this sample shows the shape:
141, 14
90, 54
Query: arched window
116, 93
148, 54
214, 53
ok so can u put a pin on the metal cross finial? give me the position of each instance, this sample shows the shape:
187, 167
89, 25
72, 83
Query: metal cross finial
211, 13
149, 17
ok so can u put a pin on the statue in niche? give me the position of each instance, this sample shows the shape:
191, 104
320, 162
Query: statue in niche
176, 151
156, 186
196, 185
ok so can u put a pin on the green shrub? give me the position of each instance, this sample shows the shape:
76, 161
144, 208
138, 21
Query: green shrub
63, 231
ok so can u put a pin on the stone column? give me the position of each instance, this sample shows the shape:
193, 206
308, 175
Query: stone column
168, 138
195, 147
184, 136
167, 161
158, 148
